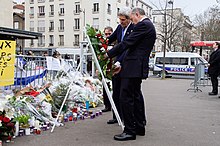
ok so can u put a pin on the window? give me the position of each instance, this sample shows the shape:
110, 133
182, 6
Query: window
31, 25
154, 19
41, 25
95, 7
61, 40
31, 11
77, 6
16, 25
31, 1
61, 28
61, 12
132, 3
109, 9
136, 3
96, 23
76, 40
51, 10
51, 27
118, 9
41, 11
51, 39
173, 61
127, 3
77, 25
41, 41
119, 1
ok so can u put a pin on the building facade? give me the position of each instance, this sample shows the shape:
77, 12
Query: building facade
19, 23
6, 8
62, 21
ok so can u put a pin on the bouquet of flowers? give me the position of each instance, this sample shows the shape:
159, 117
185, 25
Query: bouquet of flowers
100, 45
6, 126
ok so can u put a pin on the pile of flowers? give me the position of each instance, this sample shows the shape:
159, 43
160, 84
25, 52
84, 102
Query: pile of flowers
100, 45
6, 126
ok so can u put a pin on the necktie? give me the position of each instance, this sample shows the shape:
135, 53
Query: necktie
122, 34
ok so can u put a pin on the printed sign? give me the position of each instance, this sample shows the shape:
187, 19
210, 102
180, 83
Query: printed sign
7, 61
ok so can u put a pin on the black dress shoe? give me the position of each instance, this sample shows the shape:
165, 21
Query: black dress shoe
124, 137
112, 121
106, 110
213, 93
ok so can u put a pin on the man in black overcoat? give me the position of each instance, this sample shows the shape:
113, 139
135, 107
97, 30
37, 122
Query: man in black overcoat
214, 68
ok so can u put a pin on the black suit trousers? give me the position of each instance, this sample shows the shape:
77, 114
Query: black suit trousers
214, 80
105, 97
132, 104
116, 83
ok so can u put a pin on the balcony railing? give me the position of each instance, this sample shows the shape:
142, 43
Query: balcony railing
61, 29
51, 29
76, 27
76, 12
51, 14
60, 43
31, 15
31, 28
61, 13
41, 15
76, 43
41, 44
41, 29
95, 11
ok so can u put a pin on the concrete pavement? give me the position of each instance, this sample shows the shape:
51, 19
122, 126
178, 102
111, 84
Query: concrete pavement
176, 117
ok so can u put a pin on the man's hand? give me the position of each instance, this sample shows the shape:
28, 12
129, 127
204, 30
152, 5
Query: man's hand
105, 56
117, 69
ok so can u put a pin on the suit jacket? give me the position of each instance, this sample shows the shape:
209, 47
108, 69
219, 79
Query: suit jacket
116, 36
214, 61
138, 46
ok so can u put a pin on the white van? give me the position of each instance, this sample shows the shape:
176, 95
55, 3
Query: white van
177, 63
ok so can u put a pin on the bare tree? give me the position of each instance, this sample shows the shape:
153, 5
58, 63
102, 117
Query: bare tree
208, 23
173, 27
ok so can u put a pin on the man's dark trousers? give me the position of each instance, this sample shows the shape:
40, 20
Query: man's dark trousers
131, 94
116, 83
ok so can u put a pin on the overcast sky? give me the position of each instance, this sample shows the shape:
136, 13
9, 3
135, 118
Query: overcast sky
189, 7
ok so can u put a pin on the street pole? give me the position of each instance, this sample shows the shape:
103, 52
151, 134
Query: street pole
163, 75
171, 27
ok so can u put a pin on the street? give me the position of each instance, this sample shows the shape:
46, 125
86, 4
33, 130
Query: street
176, 117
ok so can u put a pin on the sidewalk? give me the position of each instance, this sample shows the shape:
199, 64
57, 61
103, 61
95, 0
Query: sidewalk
176, 117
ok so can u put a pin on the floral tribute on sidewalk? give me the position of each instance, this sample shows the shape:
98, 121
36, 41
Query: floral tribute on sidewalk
34, 109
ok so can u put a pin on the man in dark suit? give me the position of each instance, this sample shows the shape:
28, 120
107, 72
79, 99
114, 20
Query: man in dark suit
107, 31
121, 33
214, 68
138, 46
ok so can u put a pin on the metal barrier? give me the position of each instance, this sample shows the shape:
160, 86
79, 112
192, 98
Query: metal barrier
32, 70
201, 77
